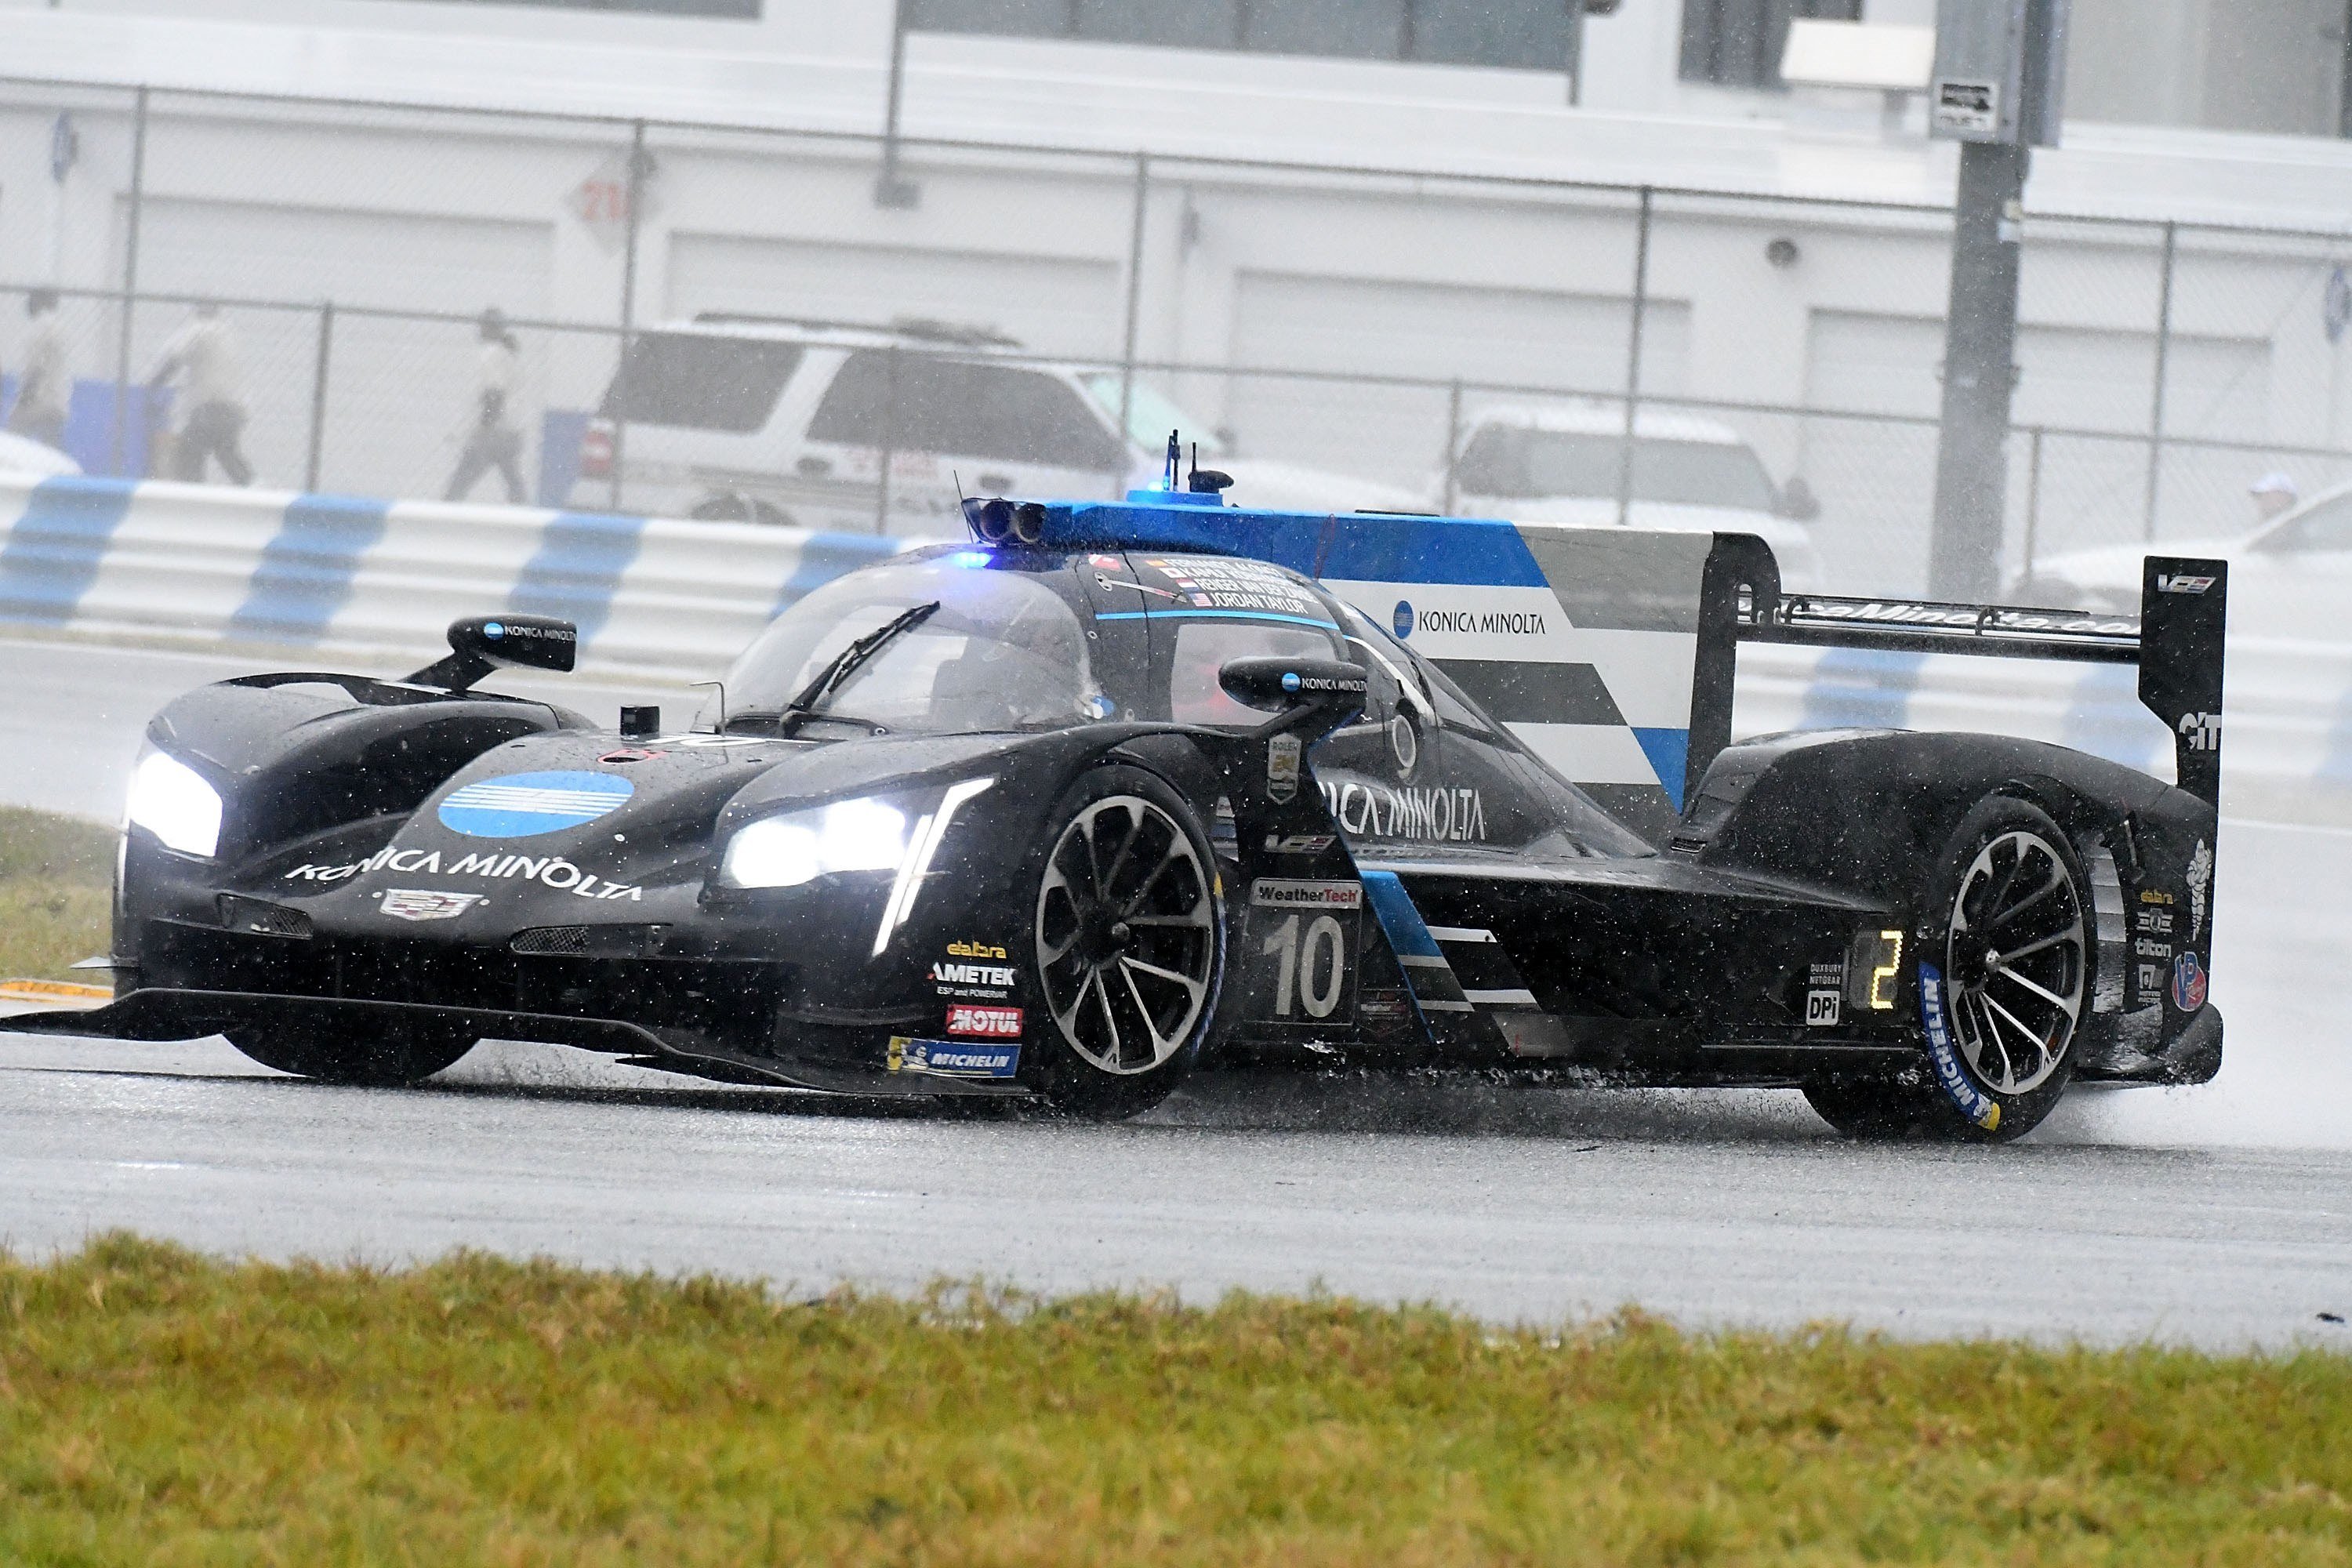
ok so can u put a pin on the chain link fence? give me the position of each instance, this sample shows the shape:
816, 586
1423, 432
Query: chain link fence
1337, 336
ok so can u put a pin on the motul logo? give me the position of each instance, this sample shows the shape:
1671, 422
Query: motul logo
985, 1022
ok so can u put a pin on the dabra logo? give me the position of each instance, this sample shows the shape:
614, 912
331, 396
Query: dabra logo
523, 805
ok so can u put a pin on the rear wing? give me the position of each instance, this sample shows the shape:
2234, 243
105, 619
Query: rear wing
2176, 642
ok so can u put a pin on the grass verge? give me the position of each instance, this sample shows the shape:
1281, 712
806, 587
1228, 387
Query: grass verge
160, 1408
57, 876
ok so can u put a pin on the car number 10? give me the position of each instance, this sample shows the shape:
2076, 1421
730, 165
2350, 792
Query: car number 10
1314, 971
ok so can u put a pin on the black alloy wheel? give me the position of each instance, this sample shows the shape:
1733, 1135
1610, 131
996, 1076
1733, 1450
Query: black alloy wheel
1128, 943
2010, 948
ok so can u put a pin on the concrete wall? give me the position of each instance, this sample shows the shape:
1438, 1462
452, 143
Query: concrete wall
2250, 65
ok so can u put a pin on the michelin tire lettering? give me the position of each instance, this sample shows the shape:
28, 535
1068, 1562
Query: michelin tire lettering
1972, 1102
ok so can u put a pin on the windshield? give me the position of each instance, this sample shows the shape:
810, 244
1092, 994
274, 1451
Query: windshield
1003, 651
1573, 463
698, 382
1150, 414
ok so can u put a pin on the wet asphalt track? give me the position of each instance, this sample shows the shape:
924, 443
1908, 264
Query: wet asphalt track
2221, 1215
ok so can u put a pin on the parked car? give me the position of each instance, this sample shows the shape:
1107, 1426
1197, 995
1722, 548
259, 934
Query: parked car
2290, 576
771, 420
1564, 463
23, 454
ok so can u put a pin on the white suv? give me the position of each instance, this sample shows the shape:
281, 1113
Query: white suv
1561, 463
792, 422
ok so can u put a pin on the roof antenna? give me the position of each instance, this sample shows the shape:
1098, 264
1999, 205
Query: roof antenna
1196, 467
1175, 462
963, 504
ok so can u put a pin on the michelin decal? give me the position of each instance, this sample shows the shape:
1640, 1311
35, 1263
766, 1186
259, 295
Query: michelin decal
1974, 1103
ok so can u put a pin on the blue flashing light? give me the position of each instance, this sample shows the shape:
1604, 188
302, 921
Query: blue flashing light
1152, 495
1370, 547
969, 558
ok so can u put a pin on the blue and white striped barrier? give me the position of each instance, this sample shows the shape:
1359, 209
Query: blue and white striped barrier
346, 577
2287, 745
349, 575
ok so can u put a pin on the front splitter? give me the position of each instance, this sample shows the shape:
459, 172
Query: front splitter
158, 1014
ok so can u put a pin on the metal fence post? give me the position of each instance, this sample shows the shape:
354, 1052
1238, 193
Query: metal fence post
1634, 360
2163, 357
2033, 496
628, 313
130, 278
889, 438
892, 189
319, 394
1134, 296
1453, 447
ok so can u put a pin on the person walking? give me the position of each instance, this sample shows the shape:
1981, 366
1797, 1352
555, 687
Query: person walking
492, 440
202, 358
45, 384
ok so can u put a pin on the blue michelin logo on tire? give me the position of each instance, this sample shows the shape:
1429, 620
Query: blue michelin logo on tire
523, 805
1402, 620
1974, 1103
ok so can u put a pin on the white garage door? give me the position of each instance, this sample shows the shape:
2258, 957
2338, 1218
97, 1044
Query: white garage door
396, 389
1052, 304
1878, 479
1442, 333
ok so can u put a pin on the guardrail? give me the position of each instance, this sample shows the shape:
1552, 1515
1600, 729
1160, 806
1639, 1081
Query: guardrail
347, 578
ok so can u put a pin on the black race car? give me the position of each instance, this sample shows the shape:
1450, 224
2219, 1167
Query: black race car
1118, 790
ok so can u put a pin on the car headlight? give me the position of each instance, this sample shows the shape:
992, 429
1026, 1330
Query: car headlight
796, 846
172, 800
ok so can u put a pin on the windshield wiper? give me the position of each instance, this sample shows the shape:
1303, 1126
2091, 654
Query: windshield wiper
846, 663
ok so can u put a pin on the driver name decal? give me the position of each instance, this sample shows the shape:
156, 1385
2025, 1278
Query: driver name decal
1430, 816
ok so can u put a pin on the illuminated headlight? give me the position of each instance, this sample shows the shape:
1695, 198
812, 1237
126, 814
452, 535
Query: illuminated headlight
172, 800
797, 847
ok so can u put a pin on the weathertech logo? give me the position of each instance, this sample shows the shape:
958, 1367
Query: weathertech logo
985, 1022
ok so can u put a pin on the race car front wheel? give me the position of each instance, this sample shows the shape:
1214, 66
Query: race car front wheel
379, 1056
1128, 943
2003, 977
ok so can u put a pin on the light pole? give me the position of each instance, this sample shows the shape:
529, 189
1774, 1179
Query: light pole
1998, 85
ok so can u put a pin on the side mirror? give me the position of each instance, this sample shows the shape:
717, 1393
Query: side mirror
1797, 501
1294, 685
480, 644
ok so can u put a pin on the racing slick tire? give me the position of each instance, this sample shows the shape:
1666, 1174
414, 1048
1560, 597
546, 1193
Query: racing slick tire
390, 1057
2006, 947
1126, 945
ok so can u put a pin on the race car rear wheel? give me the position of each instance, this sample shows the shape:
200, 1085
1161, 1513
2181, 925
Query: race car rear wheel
384, 1056
2004, 980
1128, 943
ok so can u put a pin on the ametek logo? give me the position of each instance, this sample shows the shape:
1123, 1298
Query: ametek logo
1000, 976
